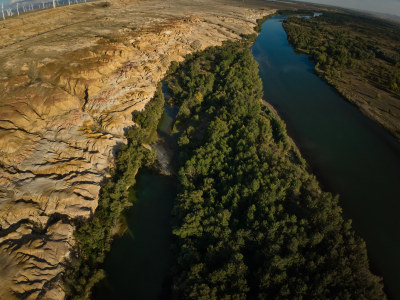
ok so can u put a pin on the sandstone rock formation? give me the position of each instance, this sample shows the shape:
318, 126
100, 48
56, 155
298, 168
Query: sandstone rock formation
70, 79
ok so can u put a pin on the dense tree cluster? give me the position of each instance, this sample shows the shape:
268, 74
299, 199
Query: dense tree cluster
94, 238
249, 220
339, 41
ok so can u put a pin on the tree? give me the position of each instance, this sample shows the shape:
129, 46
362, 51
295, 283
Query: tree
249, 220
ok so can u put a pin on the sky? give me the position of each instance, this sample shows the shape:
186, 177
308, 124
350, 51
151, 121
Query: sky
381, 6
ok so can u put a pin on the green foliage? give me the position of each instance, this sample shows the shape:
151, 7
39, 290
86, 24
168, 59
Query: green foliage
299, 12
249, 220
249, 39
94, 237
338, 41
151, 115
261, 21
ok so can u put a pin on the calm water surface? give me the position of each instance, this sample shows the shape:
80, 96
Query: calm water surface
138, 265
139, 262
350, 154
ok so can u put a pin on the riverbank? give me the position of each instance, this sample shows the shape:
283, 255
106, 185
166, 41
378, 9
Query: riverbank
349, 153
93, 240
249, 220
196, 114
139, 260
358, 56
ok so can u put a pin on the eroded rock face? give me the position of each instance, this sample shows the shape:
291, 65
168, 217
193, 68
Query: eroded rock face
70, 79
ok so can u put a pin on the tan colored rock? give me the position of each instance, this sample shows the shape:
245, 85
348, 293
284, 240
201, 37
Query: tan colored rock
70, 79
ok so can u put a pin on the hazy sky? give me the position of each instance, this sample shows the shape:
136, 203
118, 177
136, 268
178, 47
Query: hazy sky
383, 6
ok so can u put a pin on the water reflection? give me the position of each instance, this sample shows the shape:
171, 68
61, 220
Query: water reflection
351, 155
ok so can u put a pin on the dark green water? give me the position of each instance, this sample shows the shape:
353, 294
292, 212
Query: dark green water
165, 126
138, 265
166, 122
350, 154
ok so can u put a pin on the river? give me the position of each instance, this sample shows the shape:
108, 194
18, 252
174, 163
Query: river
351, 155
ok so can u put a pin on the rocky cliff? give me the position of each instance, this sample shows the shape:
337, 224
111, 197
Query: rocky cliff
70, 79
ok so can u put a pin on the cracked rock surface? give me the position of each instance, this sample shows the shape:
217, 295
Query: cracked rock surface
70, 79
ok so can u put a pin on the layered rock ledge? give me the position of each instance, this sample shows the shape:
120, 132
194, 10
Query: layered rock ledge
70, 79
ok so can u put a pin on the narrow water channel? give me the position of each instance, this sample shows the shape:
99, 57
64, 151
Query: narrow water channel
139, 263
351, 155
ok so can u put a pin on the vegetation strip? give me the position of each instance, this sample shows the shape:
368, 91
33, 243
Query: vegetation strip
94, 238
358, 55
249, 220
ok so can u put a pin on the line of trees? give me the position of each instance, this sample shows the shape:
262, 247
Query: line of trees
93, 238
337, 41
249, 220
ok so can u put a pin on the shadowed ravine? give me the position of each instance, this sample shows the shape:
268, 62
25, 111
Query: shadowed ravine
138, 265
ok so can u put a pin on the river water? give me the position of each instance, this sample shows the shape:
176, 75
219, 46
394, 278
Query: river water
351, 155
139, 263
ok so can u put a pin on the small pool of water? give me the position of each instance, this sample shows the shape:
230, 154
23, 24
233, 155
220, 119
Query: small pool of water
138, 266
166, 123
139, 262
